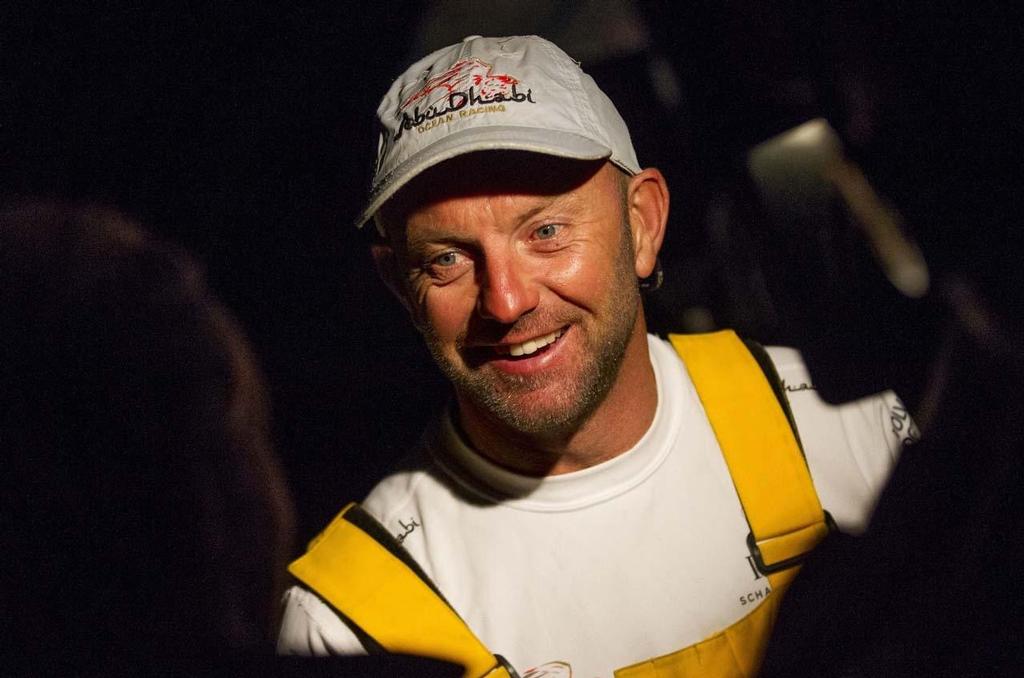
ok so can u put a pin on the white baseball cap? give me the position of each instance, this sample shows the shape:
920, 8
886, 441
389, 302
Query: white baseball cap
513, 93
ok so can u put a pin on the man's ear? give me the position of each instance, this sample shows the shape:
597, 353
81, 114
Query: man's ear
647, 209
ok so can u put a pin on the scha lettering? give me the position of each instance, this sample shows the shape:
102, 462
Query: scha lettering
456, 101
755, 596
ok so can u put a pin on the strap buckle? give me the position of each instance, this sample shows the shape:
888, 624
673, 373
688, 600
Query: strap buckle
771, 568
500, 667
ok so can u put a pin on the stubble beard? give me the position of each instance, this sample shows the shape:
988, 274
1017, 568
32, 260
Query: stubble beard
500, 395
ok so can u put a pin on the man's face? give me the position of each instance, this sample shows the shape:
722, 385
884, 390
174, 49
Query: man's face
524, 288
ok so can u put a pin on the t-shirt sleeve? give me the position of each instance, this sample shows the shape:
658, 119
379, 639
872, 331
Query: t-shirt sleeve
310, 628
851, 448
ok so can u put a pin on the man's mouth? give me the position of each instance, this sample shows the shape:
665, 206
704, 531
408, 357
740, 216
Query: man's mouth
530, 346
508, 354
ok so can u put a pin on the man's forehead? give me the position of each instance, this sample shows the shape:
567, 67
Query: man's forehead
491, 173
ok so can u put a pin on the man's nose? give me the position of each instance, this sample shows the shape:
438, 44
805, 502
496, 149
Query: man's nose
507, 290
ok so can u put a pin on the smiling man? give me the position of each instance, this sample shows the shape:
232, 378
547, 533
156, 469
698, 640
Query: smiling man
520, 269
595, 500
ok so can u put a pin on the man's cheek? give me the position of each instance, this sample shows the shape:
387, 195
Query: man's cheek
420, 319
442, 318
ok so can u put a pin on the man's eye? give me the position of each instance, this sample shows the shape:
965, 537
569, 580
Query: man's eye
547, 231
445, 259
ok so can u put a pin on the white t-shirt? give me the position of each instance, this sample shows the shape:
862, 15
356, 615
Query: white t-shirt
582, 573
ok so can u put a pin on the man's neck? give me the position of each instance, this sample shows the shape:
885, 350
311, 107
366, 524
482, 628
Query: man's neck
614, 427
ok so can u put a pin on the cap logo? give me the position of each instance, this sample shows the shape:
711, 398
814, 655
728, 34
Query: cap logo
468, 83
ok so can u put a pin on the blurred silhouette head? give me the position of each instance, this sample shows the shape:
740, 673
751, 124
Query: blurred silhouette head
144, 515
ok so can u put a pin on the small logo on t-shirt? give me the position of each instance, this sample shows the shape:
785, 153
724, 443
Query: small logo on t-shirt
407, 529
556, 669
753, 567
796, 388
760, 593
903, 426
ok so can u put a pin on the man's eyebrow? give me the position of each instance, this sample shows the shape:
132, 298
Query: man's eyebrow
545, 203
431, 235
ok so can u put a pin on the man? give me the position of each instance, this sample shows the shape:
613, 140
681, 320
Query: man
573, 506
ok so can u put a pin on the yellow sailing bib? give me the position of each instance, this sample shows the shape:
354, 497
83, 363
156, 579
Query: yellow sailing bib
378, 589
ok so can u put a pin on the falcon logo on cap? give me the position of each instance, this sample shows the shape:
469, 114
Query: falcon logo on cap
469, 82
471, 96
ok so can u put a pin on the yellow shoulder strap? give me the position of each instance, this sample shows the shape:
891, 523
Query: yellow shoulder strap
774, 487
760, 448
361, 570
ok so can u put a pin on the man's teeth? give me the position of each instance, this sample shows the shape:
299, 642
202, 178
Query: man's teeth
531, 346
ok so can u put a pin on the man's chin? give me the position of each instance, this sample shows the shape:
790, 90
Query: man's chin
548, 403
540, 424
543, 410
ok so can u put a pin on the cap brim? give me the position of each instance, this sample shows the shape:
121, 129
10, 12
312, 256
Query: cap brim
504, 137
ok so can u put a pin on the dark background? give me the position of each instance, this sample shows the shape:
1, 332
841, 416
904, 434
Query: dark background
245, 132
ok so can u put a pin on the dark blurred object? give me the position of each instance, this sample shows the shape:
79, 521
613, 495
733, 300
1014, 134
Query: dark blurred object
889, 255
832, 252
245, 133
374, 666
145, 521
